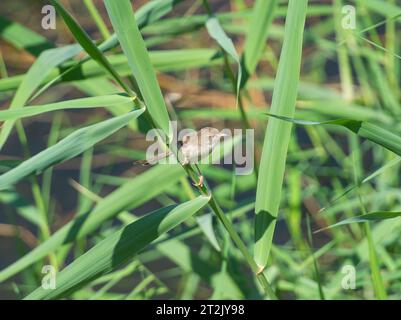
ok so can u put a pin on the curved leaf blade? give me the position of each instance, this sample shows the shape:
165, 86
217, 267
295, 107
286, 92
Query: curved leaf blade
83, 103
277, 136
130, 195
41, 68
261, 19
85, 41
373, 216
125, 25
116, 249
67, 148
373, 132
217, 32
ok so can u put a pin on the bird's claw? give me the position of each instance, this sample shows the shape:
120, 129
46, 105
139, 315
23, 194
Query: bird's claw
199, 183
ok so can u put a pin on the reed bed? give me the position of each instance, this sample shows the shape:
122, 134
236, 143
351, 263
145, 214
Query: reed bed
319, 215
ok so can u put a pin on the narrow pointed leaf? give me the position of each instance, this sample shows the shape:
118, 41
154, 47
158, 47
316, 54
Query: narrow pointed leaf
373, 216
34, 77
162, 60
261, 19
69, 147
216, 31
89, 46
146, 14
373, 132
118, 248
130, 195
84, 103
277, 135
125, 25
23, 38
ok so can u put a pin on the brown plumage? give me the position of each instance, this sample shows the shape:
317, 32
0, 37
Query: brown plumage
195, 147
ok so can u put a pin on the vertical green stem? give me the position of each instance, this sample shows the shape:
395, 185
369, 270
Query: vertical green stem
377, 280
3, 68
243, 249
343, 60
97, 18
37, 194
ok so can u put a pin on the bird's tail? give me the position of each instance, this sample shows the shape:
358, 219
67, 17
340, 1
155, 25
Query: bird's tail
142, 162
153, 160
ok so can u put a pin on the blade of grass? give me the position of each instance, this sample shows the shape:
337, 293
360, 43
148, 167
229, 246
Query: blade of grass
256, 36
130, 195
162, 60
119, 248
217, 32
133, 193
146, 14
347, 85
85, 41
219, 35
370, 131
23, 38
126, 29
361, 182
373, 216
277, 135
377, 280
83, 103
69, 147
3, 67
21, 206
384, 8
125, 25
374, 263
97, 18
315, 265
33, 78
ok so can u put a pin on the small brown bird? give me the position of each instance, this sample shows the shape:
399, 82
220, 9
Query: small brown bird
195, 146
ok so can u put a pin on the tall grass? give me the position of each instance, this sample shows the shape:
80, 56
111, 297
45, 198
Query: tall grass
322, 100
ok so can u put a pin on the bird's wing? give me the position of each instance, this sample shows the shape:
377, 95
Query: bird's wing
191, 137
